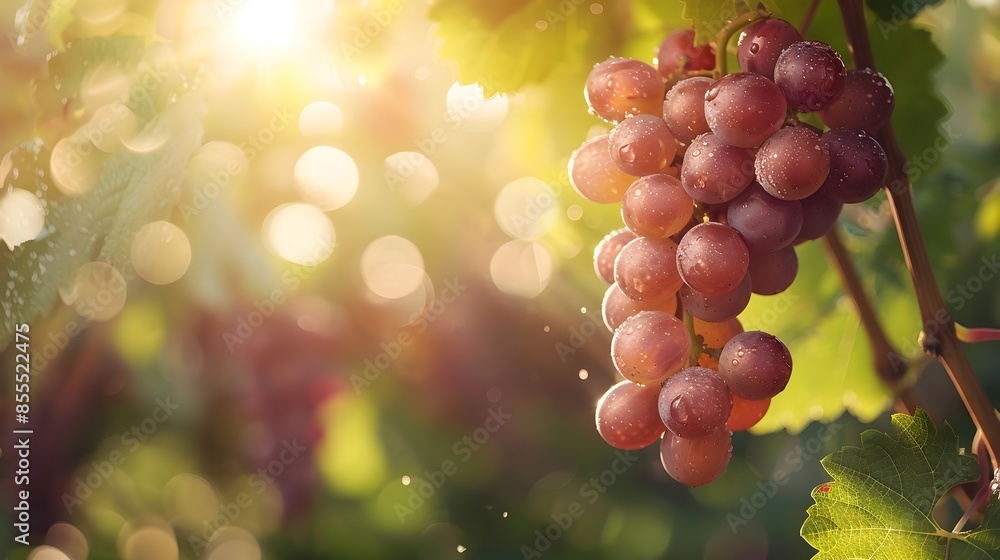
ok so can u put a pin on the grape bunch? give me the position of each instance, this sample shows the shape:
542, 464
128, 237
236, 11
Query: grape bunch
719, 178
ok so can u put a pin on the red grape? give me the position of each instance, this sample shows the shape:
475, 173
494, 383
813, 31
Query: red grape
678, 52
811, 75
715, 172
819, 214
746, 414
656, 206
646, 269
766, 223
627, 416
620, 87
641, 145
695, 402
684, 108
616, 306
866, 103
696, 461
756, 365
761, 43
858, 166
743, 109
716, 308
650, 346
793, 163
712, 258
607, 251
594, 175
773, 272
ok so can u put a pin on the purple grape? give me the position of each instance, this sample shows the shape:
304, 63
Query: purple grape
743, 109
811, 75
684, 109
773, 272
594, 176
858, 166
678, 52
627, 416
715, 172
617, 307
793, 163
866, 103
695, 402
756, 365
717, 308
819, 214
695, 462
761, 43
712, 258
766, 223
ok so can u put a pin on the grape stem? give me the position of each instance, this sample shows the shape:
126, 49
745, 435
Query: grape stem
938, 336
722, 38
697, 345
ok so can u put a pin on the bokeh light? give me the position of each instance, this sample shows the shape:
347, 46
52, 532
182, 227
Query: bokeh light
522, 268
326, 177
75, 166
46, 552
320, 120
98, 291
161, 252
526, 208
21, 217
69, 539
299, 233
392, 267
149, 543
412, 175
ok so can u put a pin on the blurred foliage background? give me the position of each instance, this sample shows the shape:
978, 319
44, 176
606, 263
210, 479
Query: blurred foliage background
296, 292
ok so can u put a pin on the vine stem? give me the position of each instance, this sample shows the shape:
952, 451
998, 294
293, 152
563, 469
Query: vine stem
938, 336
726, 33
976, 334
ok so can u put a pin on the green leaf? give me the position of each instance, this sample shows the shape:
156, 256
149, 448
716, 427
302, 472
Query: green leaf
898, 11
920, 109
708, 17
881, 501
507, 45
133, 189
832, 365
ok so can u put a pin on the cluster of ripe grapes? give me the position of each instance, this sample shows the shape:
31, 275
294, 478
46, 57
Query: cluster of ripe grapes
718, 180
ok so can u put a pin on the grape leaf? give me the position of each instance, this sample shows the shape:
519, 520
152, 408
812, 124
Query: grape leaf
134, 189
506, 45
920, 109
708, 17
881, 501
898, 11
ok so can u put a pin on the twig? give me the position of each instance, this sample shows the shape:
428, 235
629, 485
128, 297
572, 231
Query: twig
976, 334
938, 336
